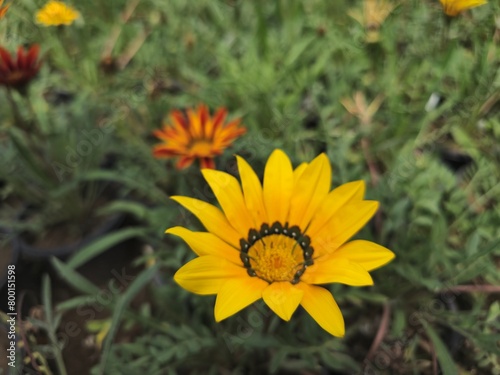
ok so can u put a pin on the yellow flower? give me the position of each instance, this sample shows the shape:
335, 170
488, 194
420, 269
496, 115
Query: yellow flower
101, 330
3, 9
453, 7
278, 240
197, 136
56, 13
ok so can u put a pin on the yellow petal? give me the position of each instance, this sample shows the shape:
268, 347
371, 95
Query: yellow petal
212, 219
236, 294
283, 298
204, 243
342, 226
252, 191
310, 191
335, 270
454, 7
319, 303
228, 192
344, 194
367, 254
297, 172
206, 274
278, 186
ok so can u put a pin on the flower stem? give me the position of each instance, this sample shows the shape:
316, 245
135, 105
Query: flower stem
58, 355
15, 109
34, 117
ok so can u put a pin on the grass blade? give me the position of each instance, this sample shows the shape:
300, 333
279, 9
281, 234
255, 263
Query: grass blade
73, 278
102, 244
444, 358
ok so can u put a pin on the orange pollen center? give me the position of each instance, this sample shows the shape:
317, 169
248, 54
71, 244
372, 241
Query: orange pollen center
276, 253
201, 148
276, 258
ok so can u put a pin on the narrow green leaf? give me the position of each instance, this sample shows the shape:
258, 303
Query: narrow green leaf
297, 50
261, 37
475, 264
447, 364
464, 140
27, 155
138, 210
277, 359
102, 244
73, 303
114, 176
47, 298
339, 361
76, 280
123, 301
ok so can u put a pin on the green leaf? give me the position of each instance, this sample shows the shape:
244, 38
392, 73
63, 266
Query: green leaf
123, 301
138, 210
297, 50
447, 364
114, 176
339, 361
73, 303
104, 243
399, 322
475, 264
277, 359
464, 140
320, 64
47, 298
27, 155
74, 278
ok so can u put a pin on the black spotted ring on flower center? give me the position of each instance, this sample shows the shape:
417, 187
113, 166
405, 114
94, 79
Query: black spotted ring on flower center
276, 253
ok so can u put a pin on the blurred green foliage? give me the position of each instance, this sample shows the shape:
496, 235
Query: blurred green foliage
284, 67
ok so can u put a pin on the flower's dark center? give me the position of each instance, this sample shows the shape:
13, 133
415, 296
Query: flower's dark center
276, 253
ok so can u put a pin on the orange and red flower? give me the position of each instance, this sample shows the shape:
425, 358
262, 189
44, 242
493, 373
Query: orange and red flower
18, 71
196, 135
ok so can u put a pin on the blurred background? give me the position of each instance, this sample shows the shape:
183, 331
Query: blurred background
398, 94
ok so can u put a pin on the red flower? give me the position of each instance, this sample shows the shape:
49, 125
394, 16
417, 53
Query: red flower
17, 72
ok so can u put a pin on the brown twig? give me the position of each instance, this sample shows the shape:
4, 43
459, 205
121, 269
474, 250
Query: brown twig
133, 47
372, 167
434, 360
357, 106
473, 288
490, 103
22, 333
117, 29
381, 332
374, 176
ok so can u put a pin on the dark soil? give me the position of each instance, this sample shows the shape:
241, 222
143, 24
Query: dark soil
80, 351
